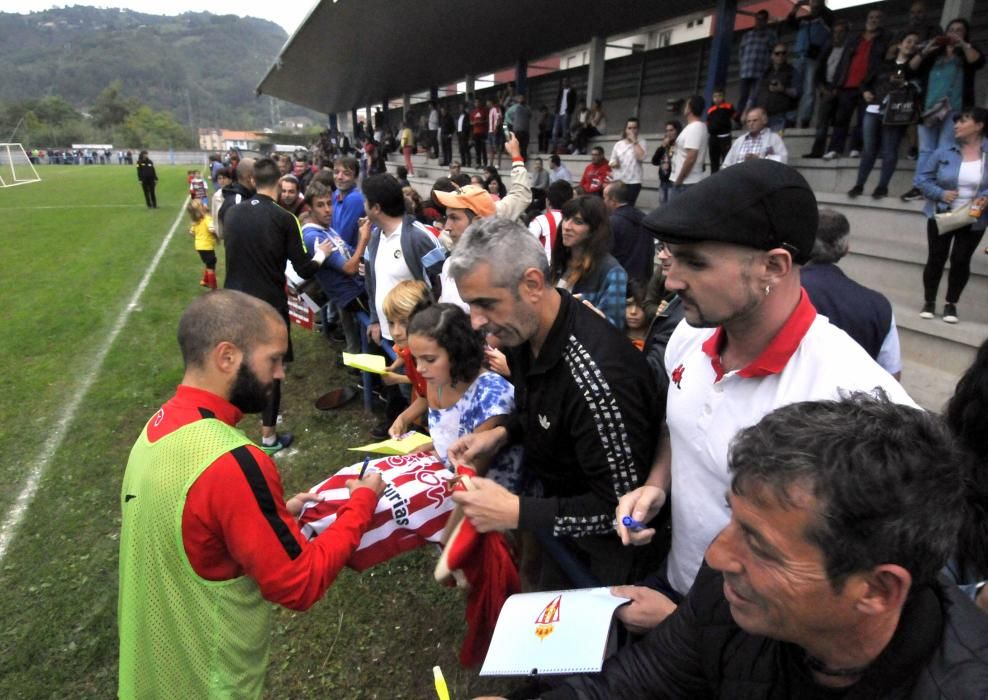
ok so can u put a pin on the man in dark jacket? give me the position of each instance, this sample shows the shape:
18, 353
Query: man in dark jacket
778, 91
864, 53
586, 409
824, 582
831, 71
862, 313
240, 189
630, 245
563, 115
260, 239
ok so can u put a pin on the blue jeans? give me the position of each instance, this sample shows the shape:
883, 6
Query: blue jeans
878, 135
560, 131
932, 138
806, 73
777, 122
665, 188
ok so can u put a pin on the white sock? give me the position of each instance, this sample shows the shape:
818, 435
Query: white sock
268, 440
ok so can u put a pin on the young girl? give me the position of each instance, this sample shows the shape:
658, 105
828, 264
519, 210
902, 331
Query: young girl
463, 398
404, 300
581, 263
635, 322
205, 240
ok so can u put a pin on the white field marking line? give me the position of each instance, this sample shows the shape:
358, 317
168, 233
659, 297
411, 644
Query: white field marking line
75, 206
54, 441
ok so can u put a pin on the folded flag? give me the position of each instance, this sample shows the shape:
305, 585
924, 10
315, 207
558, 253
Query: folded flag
411, 512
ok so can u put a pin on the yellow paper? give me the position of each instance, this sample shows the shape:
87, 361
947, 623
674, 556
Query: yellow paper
406, 444
365, 362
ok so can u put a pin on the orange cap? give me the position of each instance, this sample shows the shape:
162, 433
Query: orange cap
472, 197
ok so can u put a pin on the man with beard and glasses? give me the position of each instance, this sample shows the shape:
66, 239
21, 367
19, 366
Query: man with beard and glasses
207, 539
750, 342
586, 407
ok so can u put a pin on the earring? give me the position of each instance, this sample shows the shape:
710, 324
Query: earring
767, 290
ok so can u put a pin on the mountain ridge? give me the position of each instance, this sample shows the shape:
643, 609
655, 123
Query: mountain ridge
201, 67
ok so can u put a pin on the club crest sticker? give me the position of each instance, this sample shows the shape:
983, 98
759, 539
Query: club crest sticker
677, 376
545, 622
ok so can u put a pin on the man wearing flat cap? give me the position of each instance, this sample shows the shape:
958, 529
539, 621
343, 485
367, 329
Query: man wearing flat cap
751, 341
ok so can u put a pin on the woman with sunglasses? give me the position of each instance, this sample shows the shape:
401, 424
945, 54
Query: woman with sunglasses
778, 90
952, 178
581, 263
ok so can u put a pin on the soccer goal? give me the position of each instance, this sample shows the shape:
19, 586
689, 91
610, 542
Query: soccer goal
15, 167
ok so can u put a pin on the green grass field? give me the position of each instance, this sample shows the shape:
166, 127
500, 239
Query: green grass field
75, 248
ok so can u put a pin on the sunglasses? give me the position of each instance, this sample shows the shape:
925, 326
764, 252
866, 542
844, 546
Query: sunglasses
778, 53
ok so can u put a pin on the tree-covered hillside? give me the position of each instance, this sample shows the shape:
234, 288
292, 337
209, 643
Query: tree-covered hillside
201, 67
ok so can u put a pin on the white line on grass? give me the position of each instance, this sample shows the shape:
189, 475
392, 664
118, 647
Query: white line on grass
54, 441
77, 206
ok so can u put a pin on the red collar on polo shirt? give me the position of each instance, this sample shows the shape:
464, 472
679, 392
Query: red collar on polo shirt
775, 356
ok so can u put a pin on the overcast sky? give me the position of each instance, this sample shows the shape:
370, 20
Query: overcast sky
288, 14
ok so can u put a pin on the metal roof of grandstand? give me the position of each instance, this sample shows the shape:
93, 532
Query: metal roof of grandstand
351, 53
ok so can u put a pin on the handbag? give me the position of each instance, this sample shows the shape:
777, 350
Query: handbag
964, 216
901, 107
936, 114
952, 220
932, 117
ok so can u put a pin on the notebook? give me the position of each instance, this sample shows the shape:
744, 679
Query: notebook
554, 632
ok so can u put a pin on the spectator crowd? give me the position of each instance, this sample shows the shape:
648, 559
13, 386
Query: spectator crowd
693, 405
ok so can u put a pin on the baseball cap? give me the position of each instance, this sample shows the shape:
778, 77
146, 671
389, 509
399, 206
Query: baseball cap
472, 197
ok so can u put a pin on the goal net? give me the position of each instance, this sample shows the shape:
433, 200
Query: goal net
15, 167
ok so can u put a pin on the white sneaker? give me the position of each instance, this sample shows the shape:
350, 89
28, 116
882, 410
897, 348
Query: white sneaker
830, 155
854, 154
950, 313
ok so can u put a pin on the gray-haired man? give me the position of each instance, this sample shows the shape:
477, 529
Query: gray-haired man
586, 406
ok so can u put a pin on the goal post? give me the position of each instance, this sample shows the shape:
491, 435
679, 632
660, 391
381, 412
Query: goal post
15, 166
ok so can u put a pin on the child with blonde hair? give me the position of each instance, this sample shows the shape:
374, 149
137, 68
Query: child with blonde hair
204, 233
405, 299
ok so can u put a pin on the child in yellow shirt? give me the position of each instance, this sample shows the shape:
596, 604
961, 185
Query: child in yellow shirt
205, 240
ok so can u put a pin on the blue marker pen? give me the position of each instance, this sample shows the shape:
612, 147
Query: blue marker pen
632, 524
364, 467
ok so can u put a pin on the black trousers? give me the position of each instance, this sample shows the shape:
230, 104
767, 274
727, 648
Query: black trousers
959, 247
718, 146
825, 115
447, 144
149, 198
464, 142
208, 258
480, 146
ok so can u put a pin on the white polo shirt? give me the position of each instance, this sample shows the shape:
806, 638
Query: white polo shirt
390, 268
809, 359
